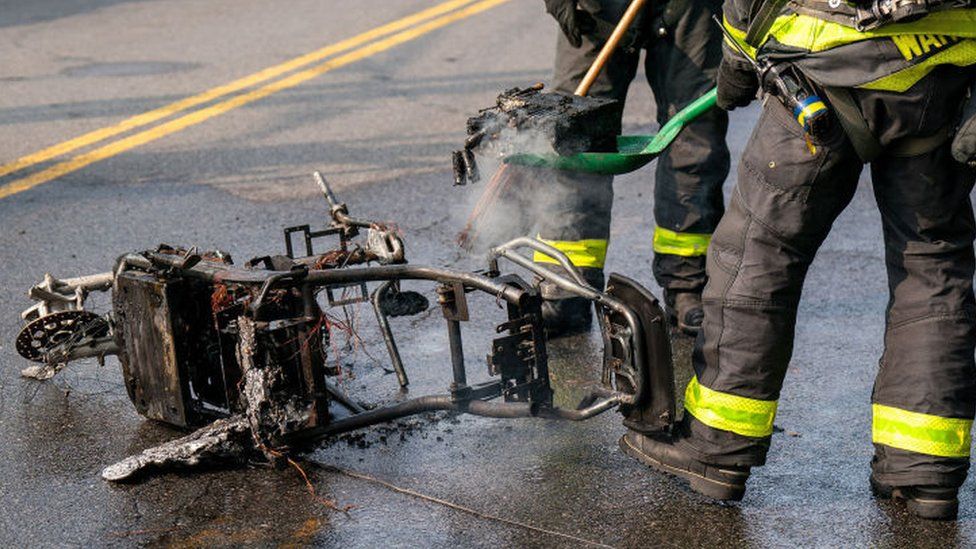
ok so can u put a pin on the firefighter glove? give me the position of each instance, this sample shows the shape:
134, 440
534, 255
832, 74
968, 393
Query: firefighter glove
573, 21
964, 144
737, 83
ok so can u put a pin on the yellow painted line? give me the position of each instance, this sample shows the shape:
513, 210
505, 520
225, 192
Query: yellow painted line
233, 87
196, 117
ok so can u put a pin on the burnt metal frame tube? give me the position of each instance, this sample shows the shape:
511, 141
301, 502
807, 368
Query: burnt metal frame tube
384, 322
435, 403
578, 287
540, 246
457, 354
337, 210
234, 275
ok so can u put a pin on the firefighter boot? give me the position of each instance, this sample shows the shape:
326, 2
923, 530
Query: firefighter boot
564, 314
685, 310
668, 455
927, 502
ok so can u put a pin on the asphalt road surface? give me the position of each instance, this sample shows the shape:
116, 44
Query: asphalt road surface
378, 113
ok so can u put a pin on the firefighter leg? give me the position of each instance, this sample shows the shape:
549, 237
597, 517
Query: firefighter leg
781, 210
574, 209
681, 65
924, 397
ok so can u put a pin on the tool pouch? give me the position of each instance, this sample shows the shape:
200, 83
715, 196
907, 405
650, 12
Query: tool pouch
964, 143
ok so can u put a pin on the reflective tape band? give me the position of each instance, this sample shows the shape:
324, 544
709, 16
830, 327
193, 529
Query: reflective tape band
739, 36
921, 433
683, 244
813, 34
581, 253
744, 416
962, 54
914, 40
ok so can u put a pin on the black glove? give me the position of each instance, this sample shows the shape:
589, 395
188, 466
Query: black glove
964, 144
573, 21
737, 83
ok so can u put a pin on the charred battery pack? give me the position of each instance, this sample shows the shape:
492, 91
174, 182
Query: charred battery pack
528, 120
184, 355
568, 124
174, 365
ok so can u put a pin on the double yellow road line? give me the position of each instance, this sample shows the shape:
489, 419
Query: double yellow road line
235, 94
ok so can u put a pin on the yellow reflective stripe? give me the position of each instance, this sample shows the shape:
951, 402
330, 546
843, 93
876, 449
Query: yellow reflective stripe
581, 253
683, 244
812, 34
744, 416
740, 36
962, 54
921, 433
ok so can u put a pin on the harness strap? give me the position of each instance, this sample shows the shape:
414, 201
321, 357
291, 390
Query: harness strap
762, 20
874, 14
908, 147
855, 126
866, 144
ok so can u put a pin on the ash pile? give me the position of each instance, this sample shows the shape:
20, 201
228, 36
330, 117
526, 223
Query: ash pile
532, 121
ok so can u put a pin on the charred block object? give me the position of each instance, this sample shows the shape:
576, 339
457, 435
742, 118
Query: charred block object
182, 358
177, 363
528, 120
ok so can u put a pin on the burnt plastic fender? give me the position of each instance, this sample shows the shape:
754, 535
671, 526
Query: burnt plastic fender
655, 411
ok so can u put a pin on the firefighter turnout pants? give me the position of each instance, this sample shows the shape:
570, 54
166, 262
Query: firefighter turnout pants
681, 65
781, 210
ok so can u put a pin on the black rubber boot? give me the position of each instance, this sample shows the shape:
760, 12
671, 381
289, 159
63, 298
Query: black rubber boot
564, 315
685, 311
723, 483
927, 502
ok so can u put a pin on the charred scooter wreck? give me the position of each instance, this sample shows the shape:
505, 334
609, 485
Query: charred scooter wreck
240, 352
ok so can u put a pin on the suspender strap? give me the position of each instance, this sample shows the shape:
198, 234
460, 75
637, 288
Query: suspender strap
865, 143
763, 20
867, 146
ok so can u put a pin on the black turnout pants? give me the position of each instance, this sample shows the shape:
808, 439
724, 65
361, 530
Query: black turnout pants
680, 67
781, 210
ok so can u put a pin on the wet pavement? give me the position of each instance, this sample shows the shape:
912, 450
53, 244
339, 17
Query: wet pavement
381, 130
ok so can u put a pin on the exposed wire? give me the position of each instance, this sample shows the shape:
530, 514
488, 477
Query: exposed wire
458, 507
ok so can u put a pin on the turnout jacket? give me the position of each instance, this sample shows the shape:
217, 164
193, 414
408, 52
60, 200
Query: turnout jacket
830, 50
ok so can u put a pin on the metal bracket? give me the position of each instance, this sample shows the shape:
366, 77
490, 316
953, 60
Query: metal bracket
363, 296
309, 236
454, 303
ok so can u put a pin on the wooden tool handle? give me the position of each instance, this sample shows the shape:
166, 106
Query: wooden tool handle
618, 33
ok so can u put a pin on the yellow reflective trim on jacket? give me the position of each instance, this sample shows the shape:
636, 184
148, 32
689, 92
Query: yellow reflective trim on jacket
812, 34
962, 54
748, 417
740, 36
921, 433
581, 253
683, 244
